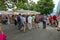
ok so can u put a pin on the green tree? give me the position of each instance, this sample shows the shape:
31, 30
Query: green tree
45, 6
18, 1
22, 5
2, 5
32, 5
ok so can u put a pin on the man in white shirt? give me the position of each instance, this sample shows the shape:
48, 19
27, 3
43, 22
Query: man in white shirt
24, 23
29, 22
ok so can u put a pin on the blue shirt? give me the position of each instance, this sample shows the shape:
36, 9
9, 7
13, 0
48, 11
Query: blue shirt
44, 18
21, 17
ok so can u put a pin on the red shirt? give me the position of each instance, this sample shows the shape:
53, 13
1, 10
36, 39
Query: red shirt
50, 18
54, 17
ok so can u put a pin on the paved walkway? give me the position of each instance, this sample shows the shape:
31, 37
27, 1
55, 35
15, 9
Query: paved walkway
35, 34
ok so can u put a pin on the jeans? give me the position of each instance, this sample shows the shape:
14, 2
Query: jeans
19, 26
44, 25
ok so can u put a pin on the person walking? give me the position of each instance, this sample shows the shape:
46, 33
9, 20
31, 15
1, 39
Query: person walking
50, 21
44, 21
19, 22
55, 20
24, 23
33, 21
37, 21
30, 22
15, 20
47, 20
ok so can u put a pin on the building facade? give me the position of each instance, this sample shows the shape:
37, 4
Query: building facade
58, 7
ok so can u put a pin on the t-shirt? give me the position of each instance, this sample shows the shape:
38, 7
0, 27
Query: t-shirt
18, 19
44, 18
40, 18
21, 19
29, 19
50, 18
24, 19
54, 17
33, 18
36, 19
15, 18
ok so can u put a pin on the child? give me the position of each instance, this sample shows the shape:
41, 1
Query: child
2, 35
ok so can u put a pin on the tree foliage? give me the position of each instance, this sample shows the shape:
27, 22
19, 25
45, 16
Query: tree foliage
21, 5
45, 6
24, 1
31, 5
2, 5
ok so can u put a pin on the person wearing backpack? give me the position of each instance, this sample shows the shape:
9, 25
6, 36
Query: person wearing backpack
19, 22
37, 21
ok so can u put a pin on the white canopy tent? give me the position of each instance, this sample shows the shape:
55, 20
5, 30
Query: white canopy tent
23, 12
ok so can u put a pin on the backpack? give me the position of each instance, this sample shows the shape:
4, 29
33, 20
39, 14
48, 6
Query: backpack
18, 19
36, 19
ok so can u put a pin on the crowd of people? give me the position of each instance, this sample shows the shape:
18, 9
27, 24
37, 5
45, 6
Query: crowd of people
54, 21
29, 22
32, 21
24, 22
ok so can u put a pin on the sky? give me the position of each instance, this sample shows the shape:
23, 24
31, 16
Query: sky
55, 8
56, 3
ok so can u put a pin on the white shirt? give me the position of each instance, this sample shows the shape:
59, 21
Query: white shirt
15, 18
33, 18
29, 19
24, 19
